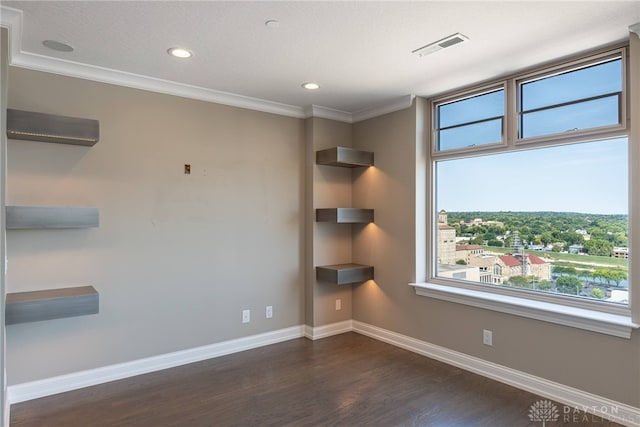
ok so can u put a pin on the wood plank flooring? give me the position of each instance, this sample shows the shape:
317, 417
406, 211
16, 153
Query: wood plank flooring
344, 380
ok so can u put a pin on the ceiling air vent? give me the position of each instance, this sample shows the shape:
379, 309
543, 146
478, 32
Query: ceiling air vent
440, 44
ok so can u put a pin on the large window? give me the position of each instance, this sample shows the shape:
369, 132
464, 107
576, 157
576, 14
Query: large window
531, 182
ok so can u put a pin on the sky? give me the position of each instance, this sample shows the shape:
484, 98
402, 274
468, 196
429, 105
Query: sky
586, 177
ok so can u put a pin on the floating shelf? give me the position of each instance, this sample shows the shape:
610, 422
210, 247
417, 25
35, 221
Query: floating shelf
43, 217
343, 274
27, 125
24, 307
344, 157
345, 215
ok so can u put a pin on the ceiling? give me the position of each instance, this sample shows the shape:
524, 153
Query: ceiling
359, 52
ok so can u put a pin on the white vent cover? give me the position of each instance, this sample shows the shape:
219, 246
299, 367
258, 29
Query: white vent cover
446, 42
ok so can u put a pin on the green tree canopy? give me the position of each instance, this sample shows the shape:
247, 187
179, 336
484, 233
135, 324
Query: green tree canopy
598, 247
545, 285
519, 282
569, 285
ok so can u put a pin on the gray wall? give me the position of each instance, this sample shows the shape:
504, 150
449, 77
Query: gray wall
327, 244
597, 363
176, 257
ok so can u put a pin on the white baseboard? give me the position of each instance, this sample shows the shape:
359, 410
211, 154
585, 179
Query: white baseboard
599, 406
35, 389
572, 397
7, 411
315, 333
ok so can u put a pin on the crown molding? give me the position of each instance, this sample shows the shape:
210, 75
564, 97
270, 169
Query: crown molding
137, 81
12, 19
635, 28
386, 108
328, 113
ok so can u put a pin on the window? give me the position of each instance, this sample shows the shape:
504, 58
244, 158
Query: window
471, 121
530, 186
587, 97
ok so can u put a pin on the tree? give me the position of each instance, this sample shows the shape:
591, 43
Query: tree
572, 238
598, 247
495, 242
569, 285
519, 282
618, 276
597, 293
545, 285
600, 274
562, 270
546, 238
610, 275
461, 262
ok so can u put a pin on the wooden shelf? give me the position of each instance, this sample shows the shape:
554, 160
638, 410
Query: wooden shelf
344, 157
30, 126
343, 274
44, 217
345, 215
24, 307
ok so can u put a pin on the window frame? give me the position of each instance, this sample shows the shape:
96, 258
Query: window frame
620, 129
460, 96
481, 294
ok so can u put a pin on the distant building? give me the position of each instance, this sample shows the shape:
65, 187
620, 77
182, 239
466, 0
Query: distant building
446, 240
465, 252
619, 296
478, 221
481, 267
462, 272
576, 249
619, 252
585, 235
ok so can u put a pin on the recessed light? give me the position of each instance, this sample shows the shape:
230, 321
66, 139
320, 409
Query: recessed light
311, 85
179, 52
56, 45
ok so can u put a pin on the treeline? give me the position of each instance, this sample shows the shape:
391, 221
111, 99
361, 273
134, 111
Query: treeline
544, 228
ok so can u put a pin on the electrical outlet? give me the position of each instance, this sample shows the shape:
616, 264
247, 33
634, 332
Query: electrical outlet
338, 304
487, 337
246, 316
269, 312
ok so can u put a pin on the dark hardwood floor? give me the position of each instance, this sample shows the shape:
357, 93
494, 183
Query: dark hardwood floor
344, 380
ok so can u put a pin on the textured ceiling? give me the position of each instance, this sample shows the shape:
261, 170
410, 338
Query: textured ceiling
359, 52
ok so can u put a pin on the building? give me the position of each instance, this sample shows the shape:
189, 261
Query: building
178, 257
576, 249
465, 252
510, 265
446, 240
619, 252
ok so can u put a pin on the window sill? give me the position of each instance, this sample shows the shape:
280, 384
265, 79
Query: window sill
596, 321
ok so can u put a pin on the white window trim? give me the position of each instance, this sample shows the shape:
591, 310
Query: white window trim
615, 324
590, 320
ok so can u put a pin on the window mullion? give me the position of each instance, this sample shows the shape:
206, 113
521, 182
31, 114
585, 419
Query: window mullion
511, 112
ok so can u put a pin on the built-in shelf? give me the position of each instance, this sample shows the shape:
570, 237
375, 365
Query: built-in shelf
345, 215
344, 157
34, 306
31, 126
343, 274
43, 217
